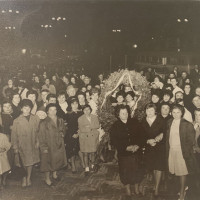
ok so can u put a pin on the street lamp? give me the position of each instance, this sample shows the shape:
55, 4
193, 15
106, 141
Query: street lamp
135, 46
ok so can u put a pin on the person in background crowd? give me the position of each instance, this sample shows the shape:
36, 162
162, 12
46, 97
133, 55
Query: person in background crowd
149, 74
49, 86
8, 89
71, 138
33, 95
88, 137
197, 91
176, 72
62, 105
56, 82
126, 137
158, 82
6, 118
119, 99
16, 110
73, 82
51, 140
64, 83
89, 87
43, 103
167, 95
182, 79
24, 139
165, 111
187, 97
94, 93
83, 89
88, 97
195, 75
196, 101
180, 138
154, 130
100, 79
71, 92
155, 99
81, 99
36, 83
178, 95
187, 115
51, 98
22, 90
174, 83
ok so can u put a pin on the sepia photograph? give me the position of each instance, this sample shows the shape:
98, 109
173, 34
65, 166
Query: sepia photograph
99, 100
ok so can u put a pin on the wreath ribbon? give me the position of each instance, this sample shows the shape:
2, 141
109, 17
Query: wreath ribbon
118, 83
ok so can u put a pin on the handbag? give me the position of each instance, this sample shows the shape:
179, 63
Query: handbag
18, 169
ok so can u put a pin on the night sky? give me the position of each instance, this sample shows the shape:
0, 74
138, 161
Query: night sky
88, 28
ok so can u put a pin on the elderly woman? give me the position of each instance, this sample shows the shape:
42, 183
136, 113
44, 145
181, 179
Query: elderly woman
154, 128
51, 138
127, 139
88, 136
180, 139
24, 139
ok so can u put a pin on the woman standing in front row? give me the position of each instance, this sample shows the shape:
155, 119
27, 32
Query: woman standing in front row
51, 138
154, 127
126, 136
24, 140
88, 136
180, 139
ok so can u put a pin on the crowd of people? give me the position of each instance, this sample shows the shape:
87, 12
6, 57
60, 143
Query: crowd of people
52, 119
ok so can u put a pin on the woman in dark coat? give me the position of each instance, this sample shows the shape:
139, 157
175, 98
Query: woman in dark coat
154, 127
127, 139
180, 140
71, 138
52, 148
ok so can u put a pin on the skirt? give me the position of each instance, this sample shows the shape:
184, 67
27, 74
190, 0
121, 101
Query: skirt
130, 171
176, 161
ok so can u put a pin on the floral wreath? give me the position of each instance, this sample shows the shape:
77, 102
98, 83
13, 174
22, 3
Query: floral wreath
140, 87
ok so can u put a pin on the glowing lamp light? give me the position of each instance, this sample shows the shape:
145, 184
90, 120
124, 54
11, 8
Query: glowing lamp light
23, 51
42, 26
3, 11
6, 27
65, 36
53, 18
179, 50
9, 27
46, 26
178, 20
13, 27
64, 18
17, 11
50, 26
135, 46
9, 11
185, 20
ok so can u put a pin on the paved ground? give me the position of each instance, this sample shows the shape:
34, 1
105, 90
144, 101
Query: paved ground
104, 185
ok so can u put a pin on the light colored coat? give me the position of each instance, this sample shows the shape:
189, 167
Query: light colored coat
4, 144
24, 139
88, 133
